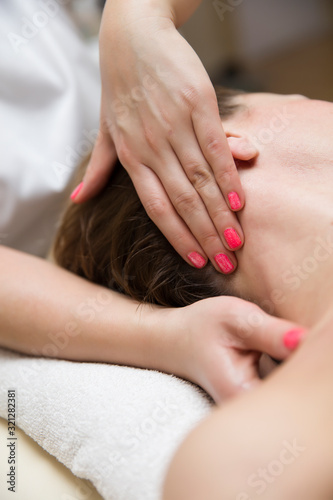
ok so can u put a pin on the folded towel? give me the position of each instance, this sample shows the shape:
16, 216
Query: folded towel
114, 425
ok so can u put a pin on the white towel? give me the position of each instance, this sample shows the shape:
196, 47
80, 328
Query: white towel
114, 425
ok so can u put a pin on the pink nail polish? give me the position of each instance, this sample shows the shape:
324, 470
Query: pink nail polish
234, 200
232, 238
197, 260
76, 191
224, 263
292, 338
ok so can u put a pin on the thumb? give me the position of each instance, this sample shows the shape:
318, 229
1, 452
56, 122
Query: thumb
274, 336
101, 164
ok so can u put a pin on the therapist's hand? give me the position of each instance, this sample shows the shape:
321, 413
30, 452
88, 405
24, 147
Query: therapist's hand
221, 340
159, 114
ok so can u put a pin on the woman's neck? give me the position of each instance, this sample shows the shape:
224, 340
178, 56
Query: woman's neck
307, 286
287, 262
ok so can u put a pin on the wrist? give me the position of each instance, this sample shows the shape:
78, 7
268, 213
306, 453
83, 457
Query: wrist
119, 14
165, 340
149, 338
127, 27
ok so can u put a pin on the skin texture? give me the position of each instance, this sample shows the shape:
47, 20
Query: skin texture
209, 342
156, 98
236, 452
289, 176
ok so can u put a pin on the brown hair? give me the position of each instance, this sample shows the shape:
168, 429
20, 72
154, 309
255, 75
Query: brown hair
110, 240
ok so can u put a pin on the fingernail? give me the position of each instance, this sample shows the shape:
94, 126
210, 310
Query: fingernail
232, 238
234, 200
292, 338
224, 263
197, 260
76, 191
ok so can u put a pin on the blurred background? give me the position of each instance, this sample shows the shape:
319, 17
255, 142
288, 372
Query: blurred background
283, 46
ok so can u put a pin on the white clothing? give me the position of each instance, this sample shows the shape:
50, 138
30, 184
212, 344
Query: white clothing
49, 112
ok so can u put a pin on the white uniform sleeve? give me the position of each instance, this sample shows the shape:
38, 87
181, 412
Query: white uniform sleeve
49, 111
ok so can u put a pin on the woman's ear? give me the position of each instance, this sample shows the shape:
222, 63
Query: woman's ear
241, 148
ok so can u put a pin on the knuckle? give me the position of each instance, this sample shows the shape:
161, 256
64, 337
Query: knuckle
222, 212
199, 175
155, 208
250, 321
214, 146
213, 193
245, 308
208, 239
225, 175
233, 304
191, 96
180, 240
187, 203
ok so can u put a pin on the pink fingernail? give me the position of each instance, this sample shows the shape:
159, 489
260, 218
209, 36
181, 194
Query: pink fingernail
197, 260
292, 338
234, 200
76, 191
232, 238
224, 263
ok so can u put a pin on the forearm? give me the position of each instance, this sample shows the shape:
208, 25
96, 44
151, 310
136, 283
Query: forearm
47, 311
276, 442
